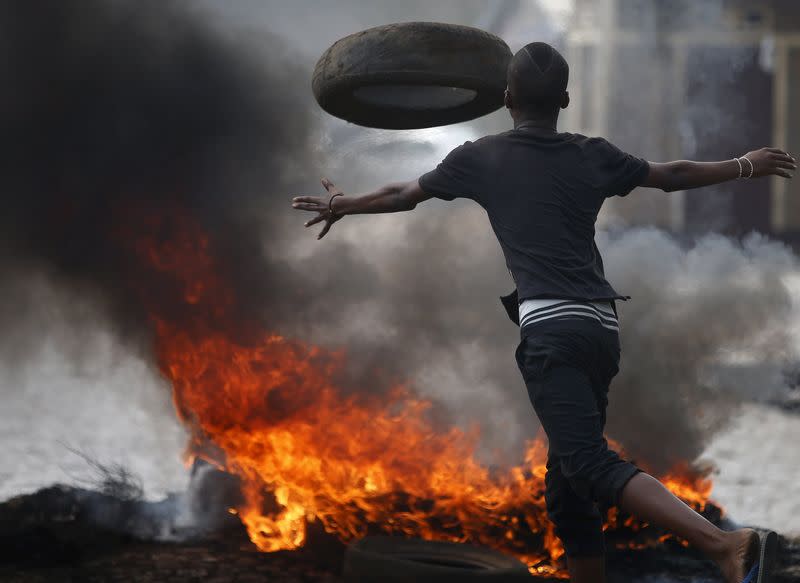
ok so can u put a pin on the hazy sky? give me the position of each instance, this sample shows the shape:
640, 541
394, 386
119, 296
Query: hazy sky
559, 10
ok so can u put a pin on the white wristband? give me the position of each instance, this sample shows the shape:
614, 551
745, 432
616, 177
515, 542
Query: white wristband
739, 162
752, 168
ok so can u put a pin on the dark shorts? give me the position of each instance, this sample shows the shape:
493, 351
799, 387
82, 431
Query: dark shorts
567, 366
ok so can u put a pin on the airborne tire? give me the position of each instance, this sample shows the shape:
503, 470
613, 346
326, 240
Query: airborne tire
412, 75
387, 559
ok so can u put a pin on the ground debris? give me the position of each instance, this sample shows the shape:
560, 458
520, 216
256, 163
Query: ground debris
50, 536
177, 562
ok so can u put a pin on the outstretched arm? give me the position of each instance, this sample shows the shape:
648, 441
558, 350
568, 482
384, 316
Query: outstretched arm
402, 196
684, 174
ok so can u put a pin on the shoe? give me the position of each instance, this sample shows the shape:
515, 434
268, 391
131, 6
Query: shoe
763, 569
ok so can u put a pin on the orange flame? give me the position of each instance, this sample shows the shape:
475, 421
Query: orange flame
306, 452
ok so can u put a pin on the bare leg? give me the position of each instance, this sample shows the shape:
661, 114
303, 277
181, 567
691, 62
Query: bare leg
647, 499
587, 569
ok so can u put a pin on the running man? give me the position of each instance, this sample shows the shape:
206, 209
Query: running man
542, 191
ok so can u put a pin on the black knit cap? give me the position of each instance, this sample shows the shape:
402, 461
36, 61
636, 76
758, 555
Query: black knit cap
537, 76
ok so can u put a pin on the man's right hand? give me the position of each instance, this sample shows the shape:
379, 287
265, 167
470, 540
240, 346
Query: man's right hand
769, 162
392, 198
321, 205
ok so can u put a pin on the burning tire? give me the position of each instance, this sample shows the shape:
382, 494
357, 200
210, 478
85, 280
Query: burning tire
386, 559
412, 75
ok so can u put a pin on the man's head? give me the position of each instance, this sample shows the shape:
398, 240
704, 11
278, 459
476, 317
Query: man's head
537, 81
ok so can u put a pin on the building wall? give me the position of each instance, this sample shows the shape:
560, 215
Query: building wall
703, 79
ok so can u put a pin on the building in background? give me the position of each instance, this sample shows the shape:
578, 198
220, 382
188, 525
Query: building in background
702, 79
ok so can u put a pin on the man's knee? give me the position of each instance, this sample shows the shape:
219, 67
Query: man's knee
573, 485
597, 474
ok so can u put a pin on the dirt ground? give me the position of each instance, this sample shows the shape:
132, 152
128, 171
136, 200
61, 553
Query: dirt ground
218, 563
165, 563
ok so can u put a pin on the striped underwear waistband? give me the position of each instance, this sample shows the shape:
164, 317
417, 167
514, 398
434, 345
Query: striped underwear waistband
533, 311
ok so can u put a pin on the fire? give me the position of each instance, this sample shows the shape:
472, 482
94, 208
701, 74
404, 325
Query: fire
307, 450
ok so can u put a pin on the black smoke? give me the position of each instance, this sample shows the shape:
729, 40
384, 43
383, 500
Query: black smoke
113, 112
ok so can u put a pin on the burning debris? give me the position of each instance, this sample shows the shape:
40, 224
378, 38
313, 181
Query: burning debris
269, 412
67, 534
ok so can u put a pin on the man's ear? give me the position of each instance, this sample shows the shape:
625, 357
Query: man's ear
507, 100
565, 100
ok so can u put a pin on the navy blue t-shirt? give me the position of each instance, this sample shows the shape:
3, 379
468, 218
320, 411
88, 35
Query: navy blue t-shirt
542, 191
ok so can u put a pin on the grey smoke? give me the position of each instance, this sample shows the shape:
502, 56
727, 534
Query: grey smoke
116, 104
694, 310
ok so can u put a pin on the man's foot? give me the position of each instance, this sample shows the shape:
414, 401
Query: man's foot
738, 554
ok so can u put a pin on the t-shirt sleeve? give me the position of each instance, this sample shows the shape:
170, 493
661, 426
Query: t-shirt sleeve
618, 172
458, 175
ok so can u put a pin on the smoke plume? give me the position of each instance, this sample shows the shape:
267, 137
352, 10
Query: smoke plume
115, 112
